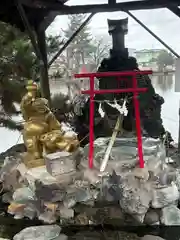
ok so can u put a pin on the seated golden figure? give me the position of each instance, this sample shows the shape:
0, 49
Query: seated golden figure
42, 132
56, 140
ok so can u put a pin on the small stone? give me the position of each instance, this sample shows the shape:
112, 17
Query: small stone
116, 212
51, 192
92, 176
47, 232
30, 212
141, 173
18, 216
138, 217
62, 237
23, 195
40, 174
164, 196
66, 213
152, 217
170, 216
7, 197
22, 169
135, 199
11, 181
47, 217
166, 177
151, 237
9, 165
14, 208
70, 199
178, 179
51, 206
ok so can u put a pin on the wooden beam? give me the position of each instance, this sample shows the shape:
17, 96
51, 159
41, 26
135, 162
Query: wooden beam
111, 2
27, 26
175, 10
123, 6
154, 35
44, 79
47, 20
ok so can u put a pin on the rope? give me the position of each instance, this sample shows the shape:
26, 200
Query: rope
107, 101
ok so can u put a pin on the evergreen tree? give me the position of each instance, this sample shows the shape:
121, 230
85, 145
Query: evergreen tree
81, 46
18, 63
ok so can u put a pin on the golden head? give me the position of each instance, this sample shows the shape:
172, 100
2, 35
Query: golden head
31, 86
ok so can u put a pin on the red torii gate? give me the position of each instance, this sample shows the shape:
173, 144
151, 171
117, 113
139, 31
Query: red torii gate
135, 90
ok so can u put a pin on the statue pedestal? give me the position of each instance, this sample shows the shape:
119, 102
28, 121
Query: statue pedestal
60, 163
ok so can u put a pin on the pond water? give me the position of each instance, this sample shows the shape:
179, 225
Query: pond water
164, 86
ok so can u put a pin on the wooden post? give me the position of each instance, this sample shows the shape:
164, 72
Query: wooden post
91, 123
44, 78
138, 122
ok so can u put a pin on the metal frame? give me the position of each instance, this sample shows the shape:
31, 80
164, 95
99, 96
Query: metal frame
111, 6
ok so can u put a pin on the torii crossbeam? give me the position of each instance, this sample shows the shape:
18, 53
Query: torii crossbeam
135, 90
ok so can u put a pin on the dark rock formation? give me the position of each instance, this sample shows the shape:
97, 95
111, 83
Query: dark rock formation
13, 151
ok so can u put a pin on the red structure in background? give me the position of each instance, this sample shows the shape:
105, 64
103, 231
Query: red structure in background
83, 70
135, 90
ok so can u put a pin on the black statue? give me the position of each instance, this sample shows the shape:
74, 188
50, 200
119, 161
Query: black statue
150, 102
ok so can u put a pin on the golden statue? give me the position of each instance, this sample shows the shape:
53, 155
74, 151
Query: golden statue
42, 132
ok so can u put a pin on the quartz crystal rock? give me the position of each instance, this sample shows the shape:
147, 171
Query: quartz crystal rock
66, 213
138, 195
151, 237
23, 195
152, 217
48, 232
170, 216
134, 199
49, 192
163, 196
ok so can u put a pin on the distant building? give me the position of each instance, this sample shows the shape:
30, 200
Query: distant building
147, 56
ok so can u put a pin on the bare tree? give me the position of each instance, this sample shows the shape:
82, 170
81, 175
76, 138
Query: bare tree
99, 52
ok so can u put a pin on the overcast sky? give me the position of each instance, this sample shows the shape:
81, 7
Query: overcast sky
164, 23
